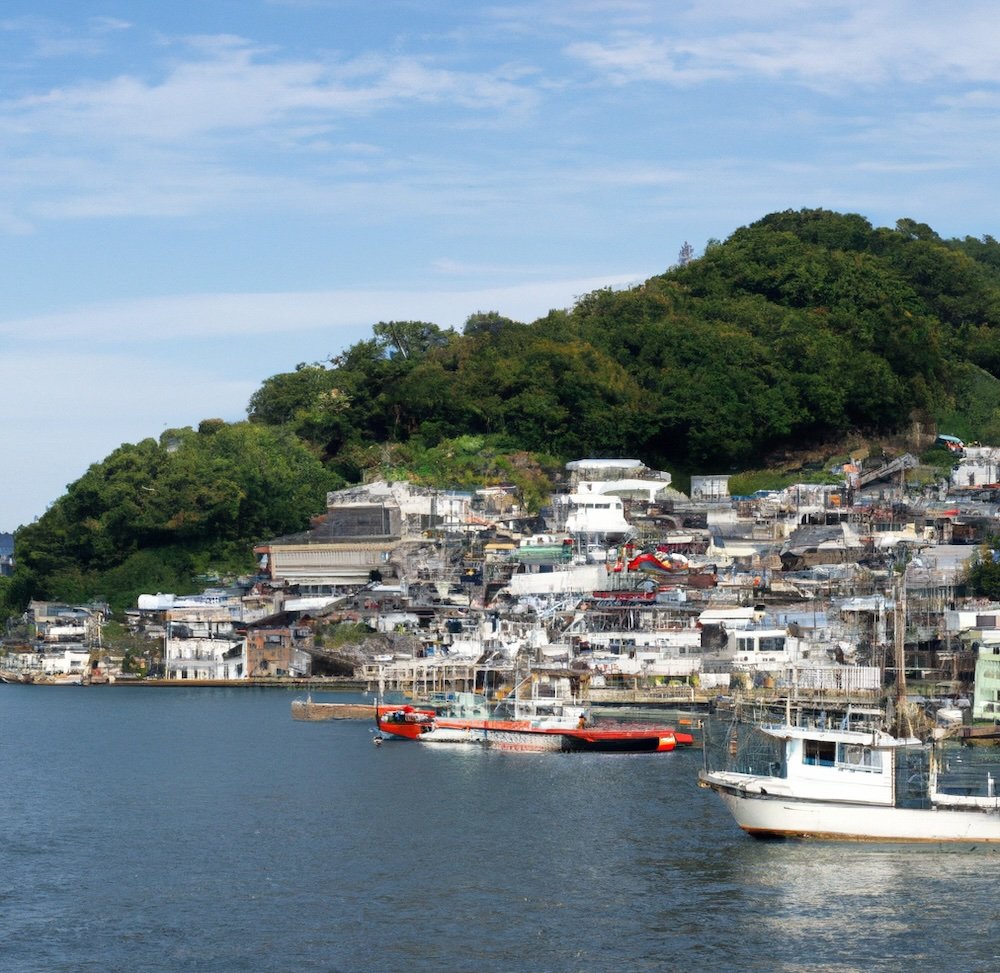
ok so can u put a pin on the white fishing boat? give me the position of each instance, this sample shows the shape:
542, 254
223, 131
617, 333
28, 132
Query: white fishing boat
845, 782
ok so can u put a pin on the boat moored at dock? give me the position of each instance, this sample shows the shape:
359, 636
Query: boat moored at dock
548, 726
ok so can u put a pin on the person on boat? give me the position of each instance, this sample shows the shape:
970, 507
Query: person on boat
582, 722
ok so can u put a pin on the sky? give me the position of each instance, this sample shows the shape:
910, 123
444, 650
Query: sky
197, 196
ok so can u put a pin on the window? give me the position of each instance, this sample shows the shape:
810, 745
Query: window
856, 756
819, 752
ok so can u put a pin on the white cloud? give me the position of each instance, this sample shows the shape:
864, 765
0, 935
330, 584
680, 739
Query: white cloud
829, 47
316, 160
191, 317
52, 40
237, 87
230, 125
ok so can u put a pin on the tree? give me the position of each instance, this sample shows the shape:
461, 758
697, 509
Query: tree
804, 325
178, 504
487, 323
285, 396
984, 574
410, 339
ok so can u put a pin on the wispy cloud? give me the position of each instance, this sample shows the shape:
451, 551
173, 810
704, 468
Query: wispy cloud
234, 86
52, 40
285, 174
197, 317
828, 47
224, 122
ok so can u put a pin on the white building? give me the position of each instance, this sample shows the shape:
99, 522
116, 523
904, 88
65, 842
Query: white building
592, 512
979, 466
200, 644
710, 487
72, 660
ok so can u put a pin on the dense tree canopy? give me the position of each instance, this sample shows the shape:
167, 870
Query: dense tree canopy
800, 328
157, 513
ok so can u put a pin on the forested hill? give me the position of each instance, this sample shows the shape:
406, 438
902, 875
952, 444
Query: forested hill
801, 328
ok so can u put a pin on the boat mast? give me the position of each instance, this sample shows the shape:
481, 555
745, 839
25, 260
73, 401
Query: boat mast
899, 640
899, 637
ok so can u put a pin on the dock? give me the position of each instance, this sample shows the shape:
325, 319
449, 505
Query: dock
311, 711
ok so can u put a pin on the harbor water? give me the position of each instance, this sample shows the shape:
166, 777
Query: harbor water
151, 829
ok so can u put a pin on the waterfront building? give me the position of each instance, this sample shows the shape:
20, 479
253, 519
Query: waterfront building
274, 651
200, 642
806, 587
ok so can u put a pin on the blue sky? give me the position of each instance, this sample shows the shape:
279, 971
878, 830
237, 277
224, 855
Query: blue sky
195, 196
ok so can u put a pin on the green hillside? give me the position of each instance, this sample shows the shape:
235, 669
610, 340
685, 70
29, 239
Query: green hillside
804, 328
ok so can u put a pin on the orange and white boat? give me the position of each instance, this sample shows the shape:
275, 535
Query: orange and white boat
403, 721
538, 724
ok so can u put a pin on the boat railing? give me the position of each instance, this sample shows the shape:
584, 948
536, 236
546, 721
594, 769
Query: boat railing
970, 801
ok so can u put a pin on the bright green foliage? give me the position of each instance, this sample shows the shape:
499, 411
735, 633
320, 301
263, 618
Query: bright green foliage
154, 514
410, 339
750, 481
341, 634
983, 578
466, 463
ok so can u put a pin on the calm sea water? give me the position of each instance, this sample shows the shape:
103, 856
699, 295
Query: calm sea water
182, 830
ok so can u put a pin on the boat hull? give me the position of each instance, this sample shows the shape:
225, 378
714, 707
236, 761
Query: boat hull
404, 721
620, 742
775, 816
511, 738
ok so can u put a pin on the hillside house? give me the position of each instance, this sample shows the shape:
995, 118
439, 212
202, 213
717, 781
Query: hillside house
711, 488
354, 541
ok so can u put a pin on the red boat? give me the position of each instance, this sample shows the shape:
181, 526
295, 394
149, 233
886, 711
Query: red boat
677, 568
535, 735
606, 740
404, 721
545, 712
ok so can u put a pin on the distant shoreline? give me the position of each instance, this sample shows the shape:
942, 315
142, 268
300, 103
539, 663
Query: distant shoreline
330, 684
